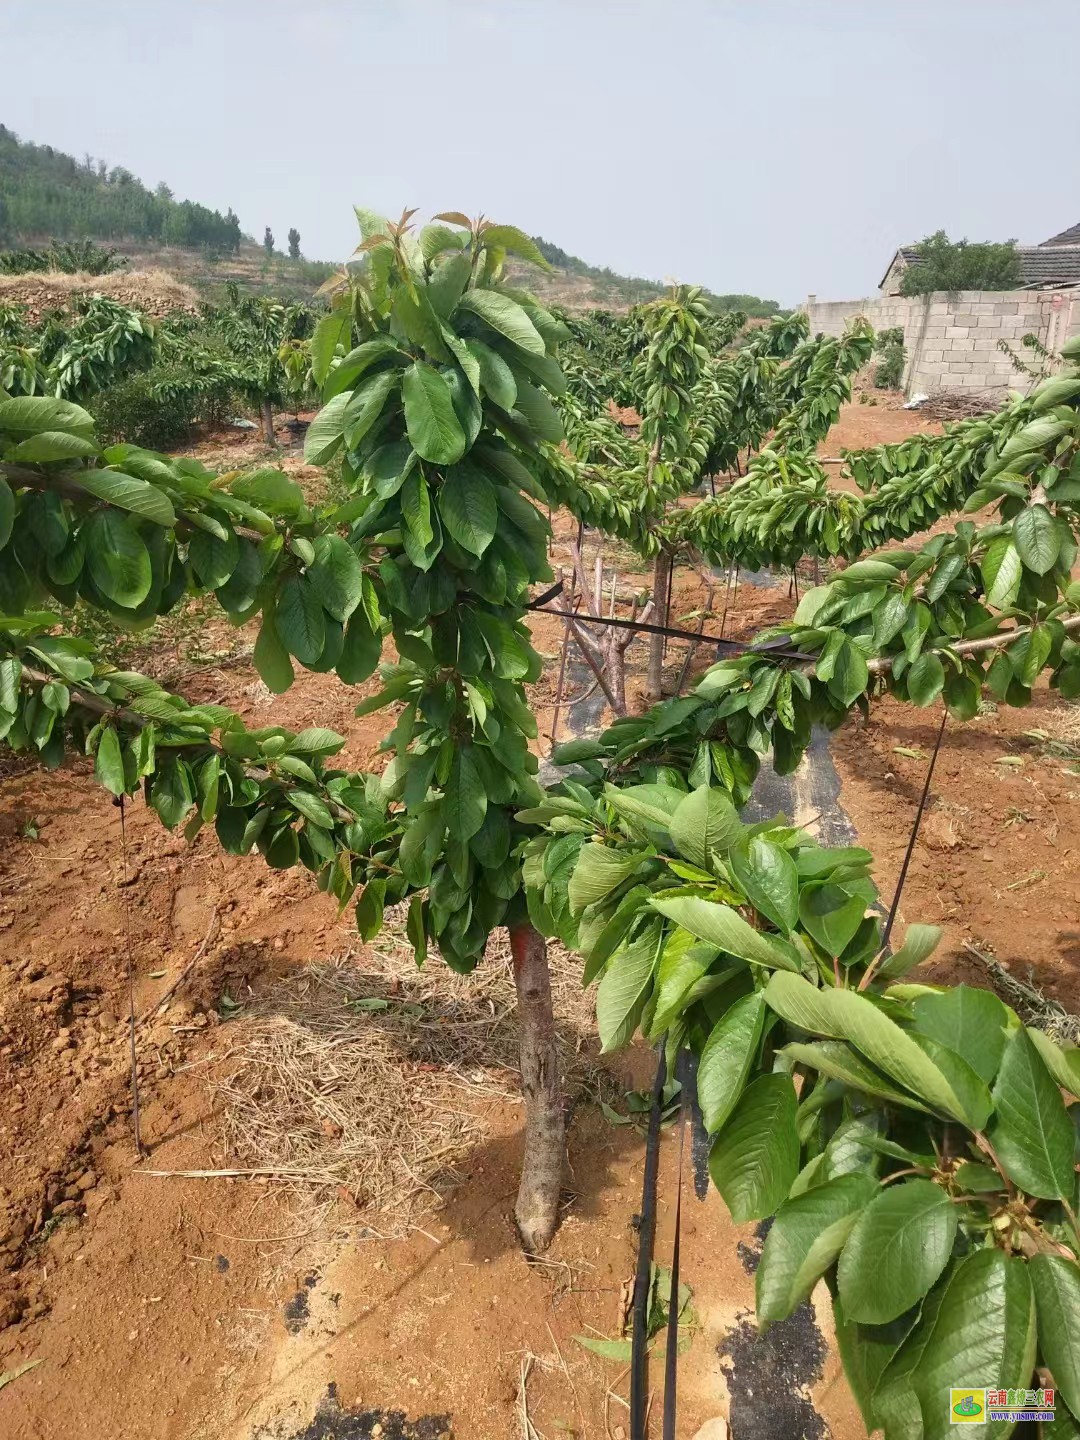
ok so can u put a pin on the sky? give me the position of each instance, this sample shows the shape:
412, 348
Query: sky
772, 147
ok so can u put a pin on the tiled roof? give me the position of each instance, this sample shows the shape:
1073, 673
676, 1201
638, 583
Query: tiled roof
1054, 263
1066, 237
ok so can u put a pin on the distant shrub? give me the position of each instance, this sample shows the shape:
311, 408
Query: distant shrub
138, 410
944, 264
889, 371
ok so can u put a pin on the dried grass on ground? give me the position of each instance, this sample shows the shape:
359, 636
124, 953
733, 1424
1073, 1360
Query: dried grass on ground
362, 1078
156, 292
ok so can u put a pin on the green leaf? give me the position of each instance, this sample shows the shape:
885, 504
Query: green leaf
109, 762
496, 377
805, 1238
919, 943
705, 821
971, 1022
332, 330
1002, 571
434, 429
7, 512
1056, 1282
313, 808
1063, 1062
171, 792
506, 317
241, 590
33, 414
624, 988
983, 1334
726, 929
51, 445
840, 1062
1031, 1130
337, 576
366, 405
465, 797
271, 657
925, 679
538, 410
326, 431
129, 493
897, 1250
510, 238
845, 1015
766, 874
832, 915
726, 1059
369, 909
755, 1158
618, 1350
118, 560
213, 559
598, 871
317, 741
361, 649
415, 929
467, 507
1037, 538
850, 675
299, 619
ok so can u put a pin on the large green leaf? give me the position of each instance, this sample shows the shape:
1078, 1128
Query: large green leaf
900, 1245
467, 507
597, 872
865, 1352
725, 928
624, 988
332, 330
805, 1238
839, 1061
506, 317
983, 1335
925, 679
726, 1059
109, 763
1037, 538
845, 1015
969, 1021
51, 445
325, 433
33, 414
271, 657
360, 650
213, 559
496, 377
756, 1155
118, 560
704, 822
366, 404
301, 624
767, 875
137, 496
430, 418
465, 797
337, 576
1031, 1130
1056, 1282
1002, 571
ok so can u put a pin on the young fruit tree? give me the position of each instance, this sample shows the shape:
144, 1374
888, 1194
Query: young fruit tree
916, 1144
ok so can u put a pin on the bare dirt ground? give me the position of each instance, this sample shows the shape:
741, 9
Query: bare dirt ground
258, 1306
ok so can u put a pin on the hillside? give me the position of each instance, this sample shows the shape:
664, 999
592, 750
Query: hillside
46, 194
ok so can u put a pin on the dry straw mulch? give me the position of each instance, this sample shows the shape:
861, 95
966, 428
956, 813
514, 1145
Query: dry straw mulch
363, 1078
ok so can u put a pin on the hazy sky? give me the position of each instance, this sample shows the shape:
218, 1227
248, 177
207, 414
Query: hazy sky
778, 147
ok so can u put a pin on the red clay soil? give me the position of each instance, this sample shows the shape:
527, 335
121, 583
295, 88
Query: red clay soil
158, 1306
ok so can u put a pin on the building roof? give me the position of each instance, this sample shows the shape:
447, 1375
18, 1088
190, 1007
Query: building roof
1051, 265
1066, 237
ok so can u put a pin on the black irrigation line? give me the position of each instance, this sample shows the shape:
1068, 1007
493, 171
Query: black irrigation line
671, 1357
914, 832
768, 647
639, 1338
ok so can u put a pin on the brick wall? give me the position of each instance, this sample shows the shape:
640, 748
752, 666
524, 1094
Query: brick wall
952, 340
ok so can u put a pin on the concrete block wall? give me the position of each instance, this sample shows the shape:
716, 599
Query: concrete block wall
952, 340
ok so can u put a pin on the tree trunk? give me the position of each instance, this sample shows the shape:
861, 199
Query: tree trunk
537, 1208
268, 422
661, 575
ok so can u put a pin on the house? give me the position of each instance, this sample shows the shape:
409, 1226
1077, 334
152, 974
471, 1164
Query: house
1052, 265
